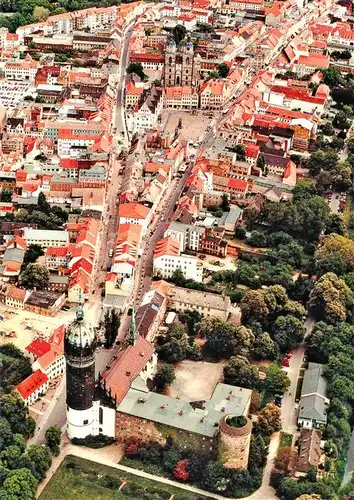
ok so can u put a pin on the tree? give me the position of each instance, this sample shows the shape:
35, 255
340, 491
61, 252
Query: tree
35, 276
328, 129
268, 420
20, 484
288, 332
192, 318
41, 459
5, 433
276, 381
261, 163
225, 203
13, 409
239, 149
285, 462
240, 372
43, 205
165, 375
32, 253
223, 70
331, 76
224, 339
53, 438
320, 160
179, 32
330, 299
137, 68
254, 306
173, 351
214, 479
11, 456
181, 472
111, 327
264, 347
57, 11
336, 255
257, 239
40, 14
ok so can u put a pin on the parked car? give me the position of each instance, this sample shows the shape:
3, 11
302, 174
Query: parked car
278, 399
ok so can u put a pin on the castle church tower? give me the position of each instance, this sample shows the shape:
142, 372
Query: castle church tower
79, 349
170, 63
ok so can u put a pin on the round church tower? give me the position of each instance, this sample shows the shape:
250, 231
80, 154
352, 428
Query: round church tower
79, 348
234, 441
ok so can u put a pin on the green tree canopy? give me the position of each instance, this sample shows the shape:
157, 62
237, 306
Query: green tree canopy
276, 381
35, 276
330, 299
224, 339
240, 372
336, 255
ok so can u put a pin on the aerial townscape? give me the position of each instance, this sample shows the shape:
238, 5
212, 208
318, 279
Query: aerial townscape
177, 250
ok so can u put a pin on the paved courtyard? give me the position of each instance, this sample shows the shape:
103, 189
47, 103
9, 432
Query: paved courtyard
21, 327
196, 380
193, 126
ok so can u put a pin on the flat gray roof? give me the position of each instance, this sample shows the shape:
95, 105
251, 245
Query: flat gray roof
180, 414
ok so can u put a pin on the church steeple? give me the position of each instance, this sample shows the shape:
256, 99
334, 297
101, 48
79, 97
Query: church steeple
79, 349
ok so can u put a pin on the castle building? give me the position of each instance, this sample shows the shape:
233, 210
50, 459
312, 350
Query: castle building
120, 404
182, 66
86, 414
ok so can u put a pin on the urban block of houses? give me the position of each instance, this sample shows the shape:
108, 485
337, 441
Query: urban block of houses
48, 355
314, 403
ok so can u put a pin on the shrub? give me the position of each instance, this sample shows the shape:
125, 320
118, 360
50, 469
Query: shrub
93, 441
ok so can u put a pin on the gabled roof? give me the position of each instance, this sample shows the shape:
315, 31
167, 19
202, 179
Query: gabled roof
32, 383
38, 347
167, 246
16, 293
133, 210
122, 372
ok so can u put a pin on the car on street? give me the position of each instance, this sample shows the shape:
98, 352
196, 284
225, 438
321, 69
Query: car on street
278, 399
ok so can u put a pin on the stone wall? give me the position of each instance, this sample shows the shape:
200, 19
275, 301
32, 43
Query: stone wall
144, 431
234, 444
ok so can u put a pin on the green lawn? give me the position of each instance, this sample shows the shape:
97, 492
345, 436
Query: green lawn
79, 479
285, 439
349, 216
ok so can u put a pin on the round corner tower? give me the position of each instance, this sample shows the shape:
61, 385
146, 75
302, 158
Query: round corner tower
234, 441
79, 348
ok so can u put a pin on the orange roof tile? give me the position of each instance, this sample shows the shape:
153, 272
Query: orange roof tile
32, 383
167, 246
16, 293
127, 367
133, 210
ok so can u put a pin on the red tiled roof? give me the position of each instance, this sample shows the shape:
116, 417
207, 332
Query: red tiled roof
16, 293
68, 163
38, 347
167, 246
32, 383
237, 184
125, 369
133, 210
57, 251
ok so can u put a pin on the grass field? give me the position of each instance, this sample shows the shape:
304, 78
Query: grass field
285, 439
79, 479
349, 217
